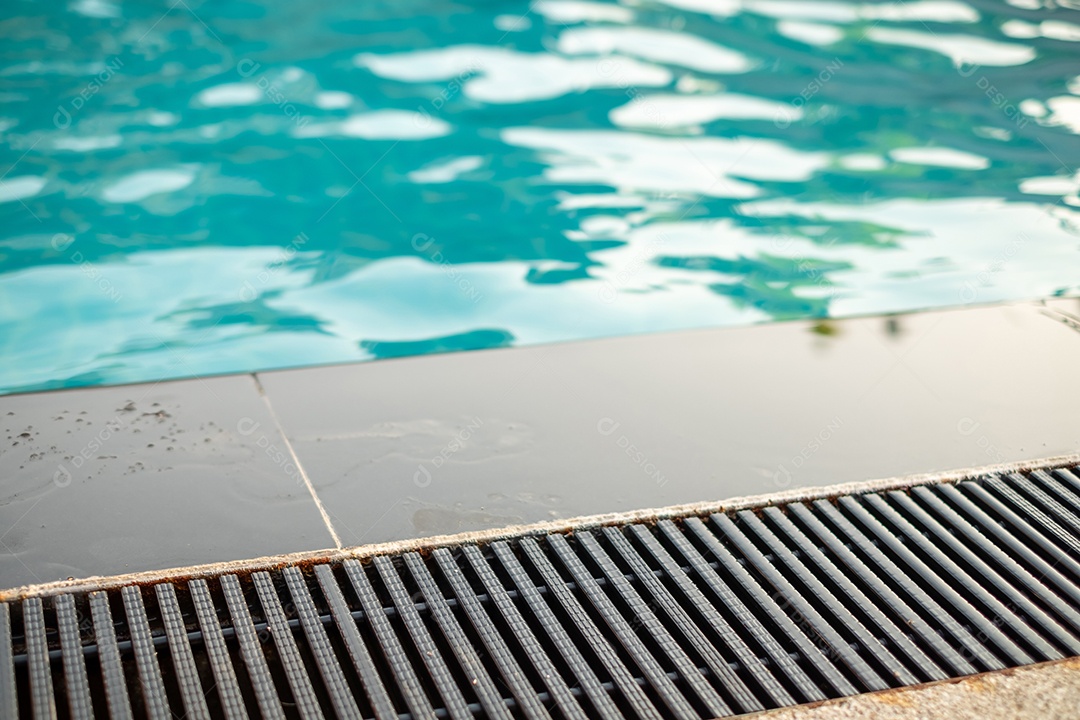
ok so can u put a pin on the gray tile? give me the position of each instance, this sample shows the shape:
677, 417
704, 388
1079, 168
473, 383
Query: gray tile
416, 446
141, 477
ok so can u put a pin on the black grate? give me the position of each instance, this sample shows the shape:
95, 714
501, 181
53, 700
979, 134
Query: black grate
693, 617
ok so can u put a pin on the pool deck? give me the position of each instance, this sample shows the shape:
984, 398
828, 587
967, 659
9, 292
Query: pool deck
1048, 691
107, 481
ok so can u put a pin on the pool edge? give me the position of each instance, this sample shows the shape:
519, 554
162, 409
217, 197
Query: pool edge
586, 522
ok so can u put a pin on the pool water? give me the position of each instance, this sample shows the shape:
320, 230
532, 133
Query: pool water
207, 187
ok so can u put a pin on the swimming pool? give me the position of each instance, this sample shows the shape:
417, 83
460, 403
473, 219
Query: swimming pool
198, 188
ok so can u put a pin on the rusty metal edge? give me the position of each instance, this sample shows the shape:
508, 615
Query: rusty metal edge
588, 522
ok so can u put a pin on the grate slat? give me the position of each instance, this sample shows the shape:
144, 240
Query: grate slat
831, 602
1023, 505
921, 570
1000, 530
907, 580
112, 670
365, 668
43, 700
180, 649
644, 616
793, 597
1040, 538
217, 652
690, 616
899, 606
80, 703
731, 639
662, 599
913, 652
429, 652
786, 665
263, 683
1026, 579
280, 632
1055, 487
648, 663
499, 651
153, 689
400, 664
582, 622
460, 645
334, 679
1050, 505
1068, 478
9, 700
557, 633
541, 662
1049, 625
766, 602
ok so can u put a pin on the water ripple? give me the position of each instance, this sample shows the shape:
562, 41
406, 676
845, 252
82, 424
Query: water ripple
189, 189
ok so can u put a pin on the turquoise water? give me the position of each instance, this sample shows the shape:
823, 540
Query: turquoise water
208, 187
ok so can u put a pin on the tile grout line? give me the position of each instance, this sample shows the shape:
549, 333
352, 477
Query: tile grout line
296, 461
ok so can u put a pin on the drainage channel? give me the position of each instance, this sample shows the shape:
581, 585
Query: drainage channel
699, 616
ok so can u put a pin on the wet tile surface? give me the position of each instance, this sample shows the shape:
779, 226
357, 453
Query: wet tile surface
142, 477
412, 447
113, 480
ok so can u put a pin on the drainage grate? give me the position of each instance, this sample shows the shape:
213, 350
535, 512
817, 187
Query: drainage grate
692, 617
